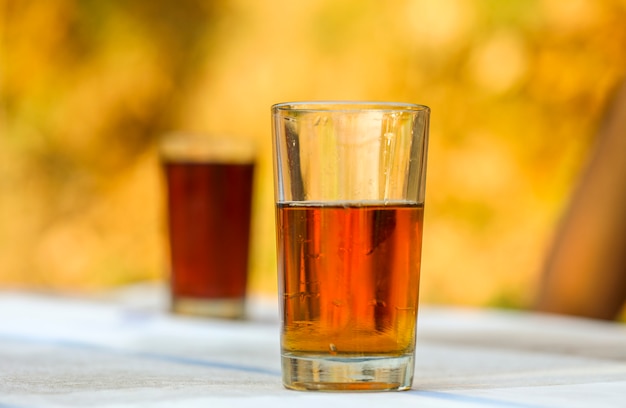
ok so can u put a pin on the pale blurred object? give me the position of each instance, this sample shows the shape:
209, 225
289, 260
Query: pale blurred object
585, 272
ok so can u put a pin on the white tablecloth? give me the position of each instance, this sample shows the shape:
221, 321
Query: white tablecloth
126, 351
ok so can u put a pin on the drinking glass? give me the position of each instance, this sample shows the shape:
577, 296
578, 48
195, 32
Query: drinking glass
209, 197
349, 189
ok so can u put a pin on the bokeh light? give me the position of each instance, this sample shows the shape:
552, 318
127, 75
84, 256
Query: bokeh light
517, 89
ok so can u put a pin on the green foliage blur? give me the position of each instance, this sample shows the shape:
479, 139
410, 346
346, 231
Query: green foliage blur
87, 87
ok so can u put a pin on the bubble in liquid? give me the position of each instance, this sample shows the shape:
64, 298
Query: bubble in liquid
379, 303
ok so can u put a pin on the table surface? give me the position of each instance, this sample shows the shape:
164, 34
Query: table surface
125, 350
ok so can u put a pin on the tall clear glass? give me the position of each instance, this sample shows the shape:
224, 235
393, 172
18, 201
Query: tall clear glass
349, 189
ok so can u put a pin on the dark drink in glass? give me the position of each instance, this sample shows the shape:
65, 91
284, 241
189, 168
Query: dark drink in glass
209, 201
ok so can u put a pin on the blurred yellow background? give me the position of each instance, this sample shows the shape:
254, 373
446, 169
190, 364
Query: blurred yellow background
517, 89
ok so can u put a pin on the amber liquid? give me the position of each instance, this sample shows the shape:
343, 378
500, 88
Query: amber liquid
209, 211
349, 275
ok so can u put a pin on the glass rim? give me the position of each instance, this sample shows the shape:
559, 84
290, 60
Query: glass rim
348, 106
206, 148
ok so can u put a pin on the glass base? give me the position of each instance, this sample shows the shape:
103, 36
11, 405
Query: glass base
332, 373
222, 308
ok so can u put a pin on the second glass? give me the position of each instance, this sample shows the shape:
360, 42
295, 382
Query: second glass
209, 201
349, 188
